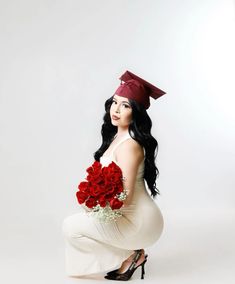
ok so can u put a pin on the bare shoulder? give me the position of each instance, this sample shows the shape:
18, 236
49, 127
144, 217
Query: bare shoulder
130, 149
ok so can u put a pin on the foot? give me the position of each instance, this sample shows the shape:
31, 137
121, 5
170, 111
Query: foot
126, 263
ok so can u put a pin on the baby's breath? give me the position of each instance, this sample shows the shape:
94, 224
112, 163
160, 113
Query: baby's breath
105, 214
123, 195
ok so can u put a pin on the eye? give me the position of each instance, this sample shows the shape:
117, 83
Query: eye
125, 105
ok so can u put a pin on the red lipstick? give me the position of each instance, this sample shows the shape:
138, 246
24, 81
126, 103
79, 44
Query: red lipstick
114, 117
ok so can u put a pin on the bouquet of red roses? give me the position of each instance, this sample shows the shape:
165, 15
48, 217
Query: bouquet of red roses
103, 191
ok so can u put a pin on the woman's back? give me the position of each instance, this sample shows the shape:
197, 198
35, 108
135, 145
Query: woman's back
110, 155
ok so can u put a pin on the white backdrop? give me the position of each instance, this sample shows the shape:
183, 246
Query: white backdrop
60, 61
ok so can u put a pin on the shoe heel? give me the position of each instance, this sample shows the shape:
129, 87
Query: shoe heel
143, 270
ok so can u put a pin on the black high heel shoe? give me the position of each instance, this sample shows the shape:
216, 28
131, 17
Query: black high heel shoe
131, 269
116, 270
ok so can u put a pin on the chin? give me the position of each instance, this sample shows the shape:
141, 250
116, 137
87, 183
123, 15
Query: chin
114, 122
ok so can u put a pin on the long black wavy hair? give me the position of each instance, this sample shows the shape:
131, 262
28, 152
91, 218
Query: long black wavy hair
140, 125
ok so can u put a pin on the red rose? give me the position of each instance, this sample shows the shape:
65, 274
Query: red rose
116, 204
95, 178
81, 197
111, 190
102, 189
95, 190
83, 185
116, 177
95, 173
95, 167
91, 202
119, 189
106, 173
89, 170
115, 168
102, 201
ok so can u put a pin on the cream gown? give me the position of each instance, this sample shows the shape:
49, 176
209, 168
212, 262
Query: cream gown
94, 247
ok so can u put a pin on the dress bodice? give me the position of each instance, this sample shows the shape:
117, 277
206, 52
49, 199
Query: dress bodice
105, 160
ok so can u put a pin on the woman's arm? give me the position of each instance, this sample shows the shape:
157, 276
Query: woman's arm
129, 155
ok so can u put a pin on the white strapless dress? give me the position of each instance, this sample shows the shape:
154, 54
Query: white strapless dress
94, 247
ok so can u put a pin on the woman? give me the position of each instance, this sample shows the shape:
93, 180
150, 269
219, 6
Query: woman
92, 246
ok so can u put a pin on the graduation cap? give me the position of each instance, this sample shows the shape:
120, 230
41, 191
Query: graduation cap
137, 89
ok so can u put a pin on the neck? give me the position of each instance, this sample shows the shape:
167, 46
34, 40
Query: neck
121, 132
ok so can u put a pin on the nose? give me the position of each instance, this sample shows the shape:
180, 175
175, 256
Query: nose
117, 109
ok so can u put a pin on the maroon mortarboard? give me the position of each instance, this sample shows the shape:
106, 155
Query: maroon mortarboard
137, 89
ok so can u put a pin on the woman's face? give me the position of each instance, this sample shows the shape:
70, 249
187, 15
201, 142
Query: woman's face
120, 111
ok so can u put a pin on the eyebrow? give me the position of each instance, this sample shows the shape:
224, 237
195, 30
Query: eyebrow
122, 101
